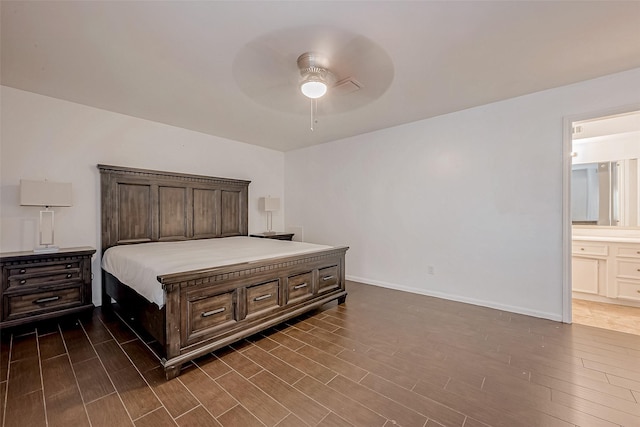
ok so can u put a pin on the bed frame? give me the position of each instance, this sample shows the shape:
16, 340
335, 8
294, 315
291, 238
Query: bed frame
210, 308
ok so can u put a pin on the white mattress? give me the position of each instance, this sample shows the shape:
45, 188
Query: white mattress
139, 265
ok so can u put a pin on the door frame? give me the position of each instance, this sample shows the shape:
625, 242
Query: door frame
567, 138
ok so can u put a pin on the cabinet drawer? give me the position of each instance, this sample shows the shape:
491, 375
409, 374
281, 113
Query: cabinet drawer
629, 269
580, 248
300, 286
20, 305
262, 297
630, 252
59, 276
207, 312
328, 278
629, 290
44, 268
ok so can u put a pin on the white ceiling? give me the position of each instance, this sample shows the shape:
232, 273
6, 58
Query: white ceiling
214, 67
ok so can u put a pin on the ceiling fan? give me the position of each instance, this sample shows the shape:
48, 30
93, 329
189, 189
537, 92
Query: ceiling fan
272, 71
315, 78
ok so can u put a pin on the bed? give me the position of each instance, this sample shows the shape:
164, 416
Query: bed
200, 306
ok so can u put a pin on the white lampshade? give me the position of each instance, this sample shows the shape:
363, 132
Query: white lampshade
271, 204
45, 193
313, 89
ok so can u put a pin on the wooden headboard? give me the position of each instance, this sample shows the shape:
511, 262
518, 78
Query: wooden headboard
140, 205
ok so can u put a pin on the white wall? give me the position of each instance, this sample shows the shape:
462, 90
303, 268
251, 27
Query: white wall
476, 194
47, 138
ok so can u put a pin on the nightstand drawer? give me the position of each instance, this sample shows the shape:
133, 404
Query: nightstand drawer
49, 278
29, 304
44, 268
36, 286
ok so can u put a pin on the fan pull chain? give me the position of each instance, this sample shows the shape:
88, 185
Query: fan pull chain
314, 112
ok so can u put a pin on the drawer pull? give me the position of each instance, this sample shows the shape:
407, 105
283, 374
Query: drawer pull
324, 279
23, 281
212, 312
582, 249
47, 299
67, 266
22, 271
263, 297
300, 286
69, 276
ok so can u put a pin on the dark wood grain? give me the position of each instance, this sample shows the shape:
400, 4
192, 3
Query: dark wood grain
238, 416
3, 394
159, 417
57, 375
78, 344
199, 417
134, 392
25, 410
343, 406
92, 379
65, 409
24, 378
24, 347
51, 345
141, 205
173, 394
260, 404
108, 412
211, 395
40, 286
210, 308
301, 405
451, 373
112, 356
5, 344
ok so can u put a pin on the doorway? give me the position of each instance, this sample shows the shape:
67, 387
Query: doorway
604, 223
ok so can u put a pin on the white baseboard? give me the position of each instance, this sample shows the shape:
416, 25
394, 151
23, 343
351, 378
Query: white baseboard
453, 297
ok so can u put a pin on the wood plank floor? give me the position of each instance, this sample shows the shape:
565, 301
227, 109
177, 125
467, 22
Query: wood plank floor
385, 358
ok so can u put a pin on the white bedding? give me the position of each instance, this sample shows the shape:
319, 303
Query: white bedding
138, 265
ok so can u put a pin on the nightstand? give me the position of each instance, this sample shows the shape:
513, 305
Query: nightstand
277, 236
36, 286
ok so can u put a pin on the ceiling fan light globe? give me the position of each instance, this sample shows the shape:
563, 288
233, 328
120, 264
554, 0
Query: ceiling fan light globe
313, 89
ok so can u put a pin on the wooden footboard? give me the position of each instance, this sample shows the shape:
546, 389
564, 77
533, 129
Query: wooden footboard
209, 309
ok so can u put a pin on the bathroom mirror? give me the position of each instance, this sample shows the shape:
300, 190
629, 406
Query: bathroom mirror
605, 181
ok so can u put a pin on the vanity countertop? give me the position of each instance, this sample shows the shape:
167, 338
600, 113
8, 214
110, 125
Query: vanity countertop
613, 239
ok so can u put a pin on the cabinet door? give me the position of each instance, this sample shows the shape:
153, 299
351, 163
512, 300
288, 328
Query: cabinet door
585, 275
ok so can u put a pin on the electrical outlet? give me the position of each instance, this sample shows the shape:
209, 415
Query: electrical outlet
430, 269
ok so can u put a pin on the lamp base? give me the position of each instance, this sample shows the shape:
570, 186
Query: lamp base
46, 250
268, 233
